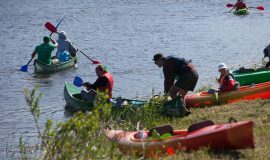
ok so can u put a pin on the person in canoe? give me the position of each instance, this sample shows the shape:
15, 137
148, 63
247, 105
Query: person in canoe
226, 80
44, 51
65, 48
266, 52
104, 83
180, 67
240, 4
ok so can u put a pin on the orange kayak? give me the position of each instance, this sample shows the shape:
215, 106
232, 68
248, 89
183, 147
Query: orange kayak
235, 135
261, 90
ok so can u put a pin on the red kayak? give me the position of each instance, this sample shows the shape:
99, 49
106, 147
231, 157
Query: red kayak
251, 92
233, 135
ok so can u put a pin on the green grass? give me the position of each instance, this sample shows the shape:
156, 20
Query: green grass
81, 137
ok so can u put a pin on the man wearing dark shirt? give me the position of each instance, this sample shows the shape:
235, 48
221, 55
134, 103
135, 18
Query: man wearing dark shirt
183, 69
104, 83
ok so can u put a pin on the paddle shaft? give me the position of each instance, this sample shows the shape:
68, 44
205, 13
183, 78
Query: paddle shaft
87, 56
29, 61
58, 24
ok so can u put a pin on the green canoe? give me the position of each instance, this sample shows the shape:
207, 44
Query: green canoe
241, 12
248, 76
74, 100
45, 68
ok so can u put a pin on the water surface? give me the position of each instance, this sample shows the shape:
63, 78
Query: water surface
124, 35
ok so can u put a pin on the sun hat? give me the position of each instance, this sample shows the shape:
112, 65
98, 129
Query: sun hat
158, 56
221, 66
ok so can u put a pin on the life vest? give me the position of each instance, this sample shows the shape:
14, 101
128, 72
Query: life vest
224, 81
109, 86
240, 5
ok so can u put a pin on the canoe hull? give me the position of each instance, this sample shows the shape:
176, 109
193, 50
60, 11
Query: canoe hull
42, 68
249, 76
73, 99
75, 103
237, 135
257, 91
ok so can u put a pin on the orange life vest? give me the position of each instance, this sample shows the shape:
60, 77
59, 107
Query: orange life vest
109, 86
225, 84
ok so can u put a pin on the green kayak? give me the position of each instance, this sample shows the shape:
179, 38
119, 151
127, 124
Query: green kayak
74, 101
45, 68
248, 76
241, 12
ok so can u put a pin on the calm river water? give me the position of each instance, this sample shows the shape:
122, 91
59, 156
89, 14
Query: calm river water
124, 35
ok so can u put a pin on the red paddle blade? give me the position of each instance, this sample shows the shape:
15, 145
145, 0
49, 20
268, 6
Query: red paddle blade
96, 62
260, 8
229, 5
50, 27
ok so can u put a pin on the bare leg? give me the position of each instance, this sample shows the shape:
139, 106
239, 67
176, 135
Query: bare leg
174, 91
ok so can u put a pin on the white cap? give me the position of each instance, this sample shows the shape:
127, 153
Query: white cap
221, 66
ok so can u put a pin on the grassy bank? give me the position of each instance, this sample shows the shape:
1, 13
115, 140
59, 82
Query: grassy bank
257, 111
81, 137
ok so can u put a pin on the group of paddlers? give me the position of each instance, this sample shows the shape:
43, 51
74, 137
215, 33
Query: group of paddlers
173, 67
65, 49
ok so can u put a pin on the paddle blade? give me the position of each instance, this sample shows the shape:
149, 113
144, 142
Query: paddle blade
50, 27
77, 81
229, 5
260, 8
24, 68
96, 62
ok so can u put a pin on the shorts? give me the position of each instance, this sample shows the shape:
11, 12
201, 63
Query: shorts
188, 80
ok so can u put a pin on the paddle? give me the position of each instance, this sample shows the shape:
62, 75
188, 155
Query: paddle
25, 67
94, 61
259, 7
229, 5
51, 27
77, 81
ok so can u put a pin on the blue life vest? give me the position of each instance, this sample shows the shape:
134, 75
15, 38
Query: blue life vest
63, 56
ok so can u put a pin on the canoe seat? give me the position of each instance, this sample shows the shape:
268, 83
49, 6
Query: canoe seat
200, 125
78, 96
162, 129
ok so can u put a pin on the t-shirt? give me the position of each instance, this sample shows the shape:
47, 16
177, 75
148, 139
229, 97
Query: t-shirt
172, 67
44, 52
